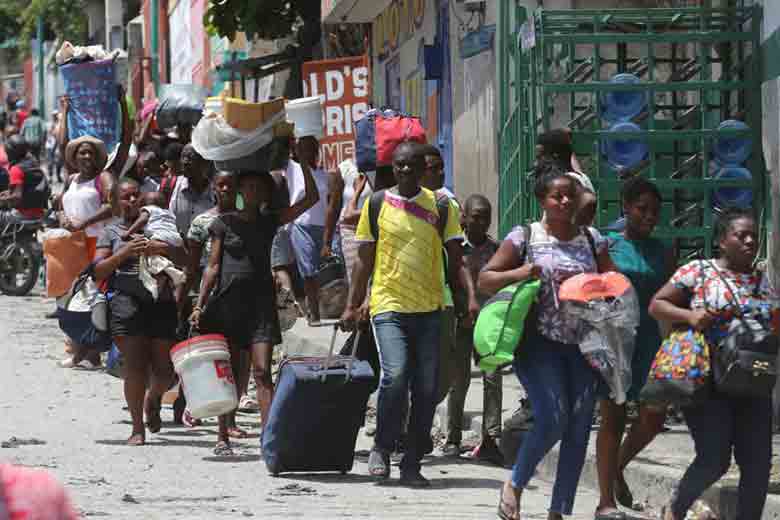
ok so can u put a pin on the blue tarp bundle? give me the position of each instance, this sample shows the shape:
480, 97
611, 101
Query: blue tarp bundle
94, 105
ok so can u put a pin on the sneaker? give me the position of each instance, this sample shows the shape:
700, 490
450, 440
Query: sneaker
451, 450
414, 479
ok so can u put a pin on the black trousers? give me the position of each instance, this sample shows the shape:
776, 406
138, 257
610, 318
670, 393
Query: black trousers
719, 427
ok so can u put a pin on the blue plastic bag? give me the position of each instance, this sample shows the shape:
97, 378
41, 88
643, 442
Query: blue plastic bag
94, 105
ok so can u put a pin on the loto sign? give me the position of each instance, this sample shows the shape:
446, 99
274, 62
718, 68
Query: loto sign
343, 86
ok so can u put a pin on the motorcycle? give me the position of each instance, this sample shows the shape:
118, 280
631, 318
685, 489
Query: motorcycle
21, 256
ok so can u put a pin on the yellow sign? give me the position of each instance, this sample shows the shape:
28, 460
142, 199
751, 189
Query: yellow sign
414, 93
396, 25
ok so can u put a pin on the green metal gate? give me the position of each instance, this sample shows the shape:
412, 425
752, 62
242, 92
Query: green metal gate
697, 68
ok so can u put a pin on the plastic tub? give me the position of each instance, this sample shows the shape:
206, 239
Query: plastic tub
624, 153
732, 150
733, 197
203, 363
617, 106
306, 113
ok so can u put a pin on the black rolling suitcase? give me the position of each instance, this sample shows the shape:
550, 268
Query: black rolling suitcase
318, 408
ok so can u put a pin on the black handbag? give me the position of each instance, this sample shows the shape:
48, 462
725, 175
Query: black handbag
745, 361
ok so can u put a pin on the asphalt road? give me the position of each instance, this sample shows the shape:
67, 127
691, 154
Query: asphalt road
72, 423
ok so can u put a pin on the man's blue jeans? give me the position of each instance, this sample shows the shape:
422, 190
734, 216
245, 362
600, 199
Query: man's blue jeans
408, 347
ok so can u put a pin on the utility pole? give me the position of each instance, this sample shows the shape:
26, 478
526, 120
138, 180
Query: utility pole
41, 70
155, 50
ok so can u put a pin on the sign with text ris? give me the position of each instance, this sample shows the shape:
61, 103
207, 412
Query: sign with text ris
343, 86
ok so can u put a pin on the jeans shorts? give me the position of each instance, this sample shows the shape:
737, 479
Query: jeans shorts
281, 250
307, 244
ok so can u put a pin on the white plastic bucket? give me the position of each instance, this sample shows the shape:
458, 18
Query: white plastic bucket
203, 363
306, 113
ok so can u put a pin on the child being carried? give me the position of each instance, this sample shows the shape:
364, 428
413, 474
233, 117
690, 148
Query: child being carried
156, 222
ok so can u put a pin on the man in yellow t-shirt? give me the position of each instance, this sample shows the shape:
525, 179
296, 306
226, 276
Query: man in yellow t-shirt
406, 263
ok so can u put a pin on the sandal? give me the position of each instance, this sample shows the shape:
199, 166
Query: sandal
623, 494
153, 420
189, 420
378, 464
223, 449
503, 505
136, 439
610, 514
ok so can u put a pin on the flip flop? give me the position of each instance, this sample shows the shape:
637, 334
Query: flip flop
610, 514
378, 464
501, 503
223, 449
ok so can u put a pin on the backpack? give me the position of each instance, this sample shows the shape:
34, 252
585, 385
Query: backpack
502, 321
378, 134
36, 190
167, 186
32, 131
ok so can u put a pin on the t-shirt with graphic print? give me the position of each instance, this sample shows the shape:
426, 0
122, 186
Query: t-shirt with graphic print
757, 299
408, 272
559, 260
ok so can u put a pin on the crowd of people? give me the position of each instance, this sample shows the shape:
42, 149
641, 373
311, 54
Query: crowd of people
183, 247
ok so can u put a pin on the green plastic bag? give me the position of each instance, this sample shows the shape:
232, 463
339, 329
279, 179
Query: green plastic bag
501, 323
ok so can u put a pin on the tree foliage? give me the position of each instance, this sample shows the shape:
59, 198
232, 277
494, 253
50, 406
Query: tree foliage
63, 20
266, 19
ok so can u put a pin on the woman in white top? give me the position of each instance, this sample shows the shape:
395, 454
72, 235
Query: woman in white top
356, 191
84, 203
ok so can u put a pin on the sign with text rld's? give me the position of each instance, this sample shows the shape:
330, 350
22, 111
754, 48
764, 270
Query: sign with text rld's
343, 86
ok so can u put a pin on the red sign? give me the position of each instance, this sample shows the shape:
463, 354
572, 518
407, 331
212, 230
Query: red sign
343, 85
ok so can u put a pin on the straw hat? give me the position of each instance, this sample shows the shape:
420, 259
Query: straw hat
101, 155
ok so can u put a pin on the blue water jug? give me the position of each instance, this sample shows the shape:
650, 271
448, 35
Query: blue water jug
623, 105
733, 197
732, 150
624, 153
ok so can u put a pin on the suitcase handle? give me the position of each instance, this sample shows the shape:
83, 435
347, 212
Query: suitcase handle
329, 359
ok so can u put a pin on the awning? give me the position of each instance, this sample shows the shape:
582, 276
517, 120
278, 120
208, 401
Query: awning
352, 11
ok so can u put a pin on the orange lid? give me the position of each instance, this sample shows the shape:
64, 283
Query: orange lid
591, 286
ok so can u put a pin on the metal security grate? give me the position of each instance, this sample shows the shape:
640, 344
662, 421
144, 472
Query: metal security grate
696, 68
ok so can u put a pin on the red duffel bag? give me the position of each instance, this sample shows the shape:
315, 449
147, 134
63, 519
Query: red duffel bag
379, 132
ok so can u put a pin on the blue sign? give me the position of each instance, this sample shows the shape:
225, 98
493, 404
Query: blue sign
94, 105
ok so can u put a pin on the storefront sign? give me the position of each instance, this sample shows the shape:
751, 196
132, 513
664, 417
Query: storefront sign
343, 86
396, 25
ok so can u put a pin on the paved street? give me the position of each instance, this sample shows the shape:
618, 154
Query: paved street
73, 423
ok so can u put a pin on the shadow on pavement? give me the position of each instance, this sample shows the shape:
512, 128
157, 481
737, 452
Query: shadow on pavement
233, 458
329, 478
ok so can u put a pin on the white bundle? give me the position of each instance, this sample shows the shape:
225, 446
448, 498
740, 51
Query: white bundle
215, 140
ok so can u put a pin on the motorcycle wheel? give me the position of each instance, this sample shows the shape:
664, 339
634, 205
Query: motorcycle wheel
20, 268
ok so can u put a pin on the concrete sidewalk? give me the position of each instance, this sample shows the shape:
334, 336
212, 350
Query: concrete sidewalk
652, 476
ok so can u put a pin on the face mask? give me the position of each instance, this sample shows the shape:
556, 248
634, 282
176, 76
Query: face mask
239, 202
